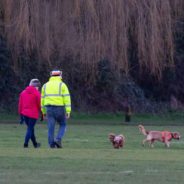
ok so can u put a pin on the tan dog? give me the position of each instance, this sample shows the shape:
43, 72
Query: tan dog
163, 136
117, 141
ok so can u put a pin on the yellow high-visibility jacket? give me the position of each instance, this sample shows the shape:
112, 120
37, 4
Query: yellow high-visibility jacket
55, 92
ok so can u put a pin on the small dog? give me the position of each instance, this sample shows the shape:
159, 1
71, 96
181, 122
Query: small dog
163, 136
117, 141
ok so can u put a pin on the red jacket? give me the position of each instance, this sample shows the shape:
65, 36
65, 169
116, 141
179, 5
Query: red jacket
29, 102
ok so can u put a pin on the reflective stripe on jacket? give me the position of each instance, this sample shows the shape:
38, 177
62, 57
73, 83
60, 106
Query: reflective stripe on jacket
55, 92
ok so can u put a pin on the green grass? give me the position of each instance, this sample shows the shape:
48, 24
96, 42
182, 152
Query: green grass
88, 157
168, 118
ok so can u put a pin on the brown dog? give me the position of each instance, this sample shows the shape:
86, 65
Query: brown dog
117, 141
163, 136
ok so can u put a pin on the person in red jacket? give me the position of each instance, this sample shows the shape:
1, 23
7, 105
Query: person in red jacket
29, 108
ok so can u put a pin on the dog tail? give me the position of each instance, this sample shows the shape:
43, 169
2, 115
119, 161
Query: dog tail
142, 129
122, 141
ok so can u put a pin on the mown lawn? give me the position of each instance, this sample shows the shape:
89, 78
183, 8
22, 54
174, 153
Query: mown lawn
89, 158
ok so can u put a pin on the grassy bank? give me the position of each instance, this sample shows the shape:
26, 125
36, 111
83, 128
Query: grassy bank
88, 157
169, 118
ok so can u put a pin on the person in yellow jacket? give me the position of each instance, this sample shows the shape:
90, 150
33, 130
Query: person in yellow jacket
55, 106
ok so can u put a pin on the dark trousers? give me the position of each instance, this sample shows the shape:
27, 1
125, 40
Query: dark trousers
30, 122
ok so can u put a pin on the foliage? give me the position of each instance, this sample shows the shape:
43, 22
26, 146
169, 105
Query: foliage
91, 31
114, 54
7, 82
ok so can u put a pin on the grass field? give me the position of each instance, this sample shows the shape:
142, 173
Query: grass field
88, 157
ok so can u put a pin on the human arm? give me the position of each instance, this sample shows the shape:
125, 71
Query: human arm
39, 102
39, 105
43, 109
66, 99
21, 120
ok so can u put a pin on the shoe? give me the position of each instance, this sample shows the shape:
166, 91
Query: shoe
37, 145
58, 144
25, 145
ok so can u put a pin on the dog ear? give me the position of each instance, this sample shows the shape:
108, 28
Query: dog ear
111, 137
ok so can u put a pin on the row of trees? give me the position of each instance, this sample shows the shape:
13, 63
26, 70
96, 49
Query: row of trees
114, 54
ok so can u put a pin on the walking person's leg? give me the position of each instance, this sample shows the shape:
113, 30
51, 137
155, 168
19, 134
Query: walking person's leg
33, 138
60, 134
30, 122
51, 126
62, 126
28, 133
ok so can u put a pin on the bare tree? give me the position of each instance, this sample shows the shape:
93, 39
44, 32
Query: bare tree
92, 30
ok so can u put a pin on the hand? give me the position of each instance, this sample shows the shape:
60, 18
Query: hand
41, 119
67, 115
21, 121
45, 116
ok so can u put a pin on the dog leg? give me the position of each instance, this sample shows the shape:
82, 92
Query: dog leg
167, 144
144, 141
151, 143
